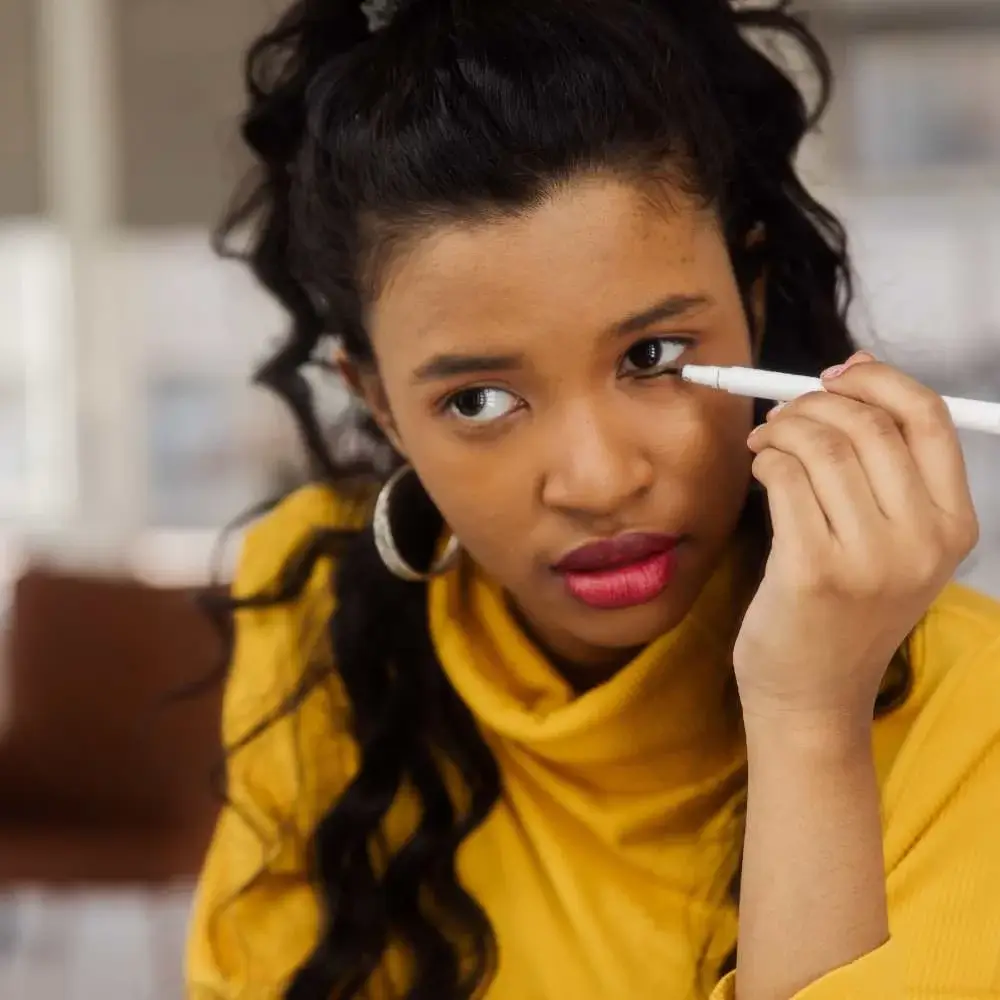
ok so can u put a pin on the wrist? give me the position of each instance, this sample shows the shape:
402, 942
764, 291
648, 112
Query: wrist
839, 738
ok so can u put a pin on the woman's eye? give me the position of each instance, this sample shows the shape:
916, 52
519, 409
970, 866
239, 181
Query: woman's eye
653, 356
482, 405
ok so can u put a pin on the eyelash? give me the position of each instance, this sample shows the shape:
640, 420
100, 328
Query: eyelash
662, 368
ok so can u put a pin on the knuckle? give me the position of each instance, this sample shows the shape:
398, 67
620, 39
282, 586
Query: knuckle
934, 559
973, 532
879, 424
966, 532
870, 579
833, 446
810, 568
764, 464
927, 566
871, 568
931, 412
868, 589
815, 582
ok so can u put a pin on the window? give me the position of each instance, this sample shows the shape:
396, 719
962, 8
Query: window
13, 446
925, 103
36, 474
199, 475
210, 435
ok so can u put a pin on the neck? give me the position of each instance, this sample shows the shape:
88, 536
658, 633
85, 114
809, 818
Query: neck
660, 725
582, 667
583, 677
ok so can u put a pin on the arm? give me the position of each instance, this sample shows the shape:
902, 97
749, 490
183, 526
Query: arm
871, 514
943, 880
813, 888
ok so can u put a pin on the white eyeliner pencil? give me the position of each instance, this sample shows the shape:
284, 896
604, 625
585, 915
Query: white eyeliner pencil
968, 414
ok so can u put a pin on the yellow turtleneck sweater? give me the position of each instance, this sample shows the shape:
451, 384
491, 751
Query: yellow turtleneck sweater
604, 867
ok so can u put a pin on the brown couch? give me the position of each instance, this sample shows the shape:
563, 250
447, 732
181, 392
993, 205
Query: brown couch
100, 778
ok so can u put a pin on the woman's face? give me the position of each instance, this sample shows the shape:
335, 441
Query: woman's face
523, 369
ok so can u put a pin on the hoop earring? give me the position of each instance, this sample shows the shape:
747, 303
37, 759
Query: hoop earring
386, 544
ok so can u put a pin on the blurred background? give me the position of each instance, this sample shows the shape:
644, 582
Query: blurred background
129, 434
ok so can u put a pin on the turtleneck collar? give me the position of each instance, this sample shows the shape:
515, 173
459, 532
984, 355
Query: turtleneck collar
666, 723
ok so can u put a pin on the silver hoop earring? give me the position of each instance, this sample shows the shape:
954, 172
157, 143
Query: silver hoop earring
386, 544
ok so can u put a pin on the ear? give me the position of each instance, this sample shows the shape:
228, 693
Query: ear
365, 384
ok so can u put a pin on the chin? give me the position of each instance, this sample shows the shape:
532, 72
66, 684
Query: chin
630, 628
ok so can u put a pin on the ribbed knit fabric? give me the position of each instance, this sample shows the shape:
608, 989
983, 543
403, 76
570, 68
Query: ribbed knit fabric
604, 867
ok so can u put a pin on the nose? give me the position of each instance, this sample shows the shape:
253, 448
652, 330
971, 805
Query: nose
597, 468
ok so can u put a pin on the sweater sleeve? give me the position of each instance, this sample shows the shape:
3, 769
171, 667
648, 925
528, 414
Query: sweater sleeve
255, 915
942, 855
877, 976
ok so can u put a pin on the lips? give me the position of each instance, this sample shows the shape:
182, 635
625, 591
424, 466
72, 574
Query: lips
621, 572
614, 553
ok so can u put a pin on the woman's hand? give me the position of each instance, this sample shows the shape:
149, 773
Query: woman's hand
872, 515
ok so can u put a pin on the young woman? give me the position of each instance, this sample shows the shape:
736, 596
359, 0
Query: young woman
597, 670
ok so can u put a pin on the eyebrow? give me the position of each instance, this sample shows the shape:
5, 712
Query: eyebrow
452, 365
443, 366
672, 307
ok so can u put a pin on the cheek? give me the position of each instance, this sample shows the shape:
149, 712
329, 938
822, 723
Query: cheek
707, 423
732, 421
481, 493
729, 420
707, 460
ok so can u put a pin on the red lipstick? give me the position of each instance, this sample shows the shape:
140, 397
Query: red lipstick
620, 572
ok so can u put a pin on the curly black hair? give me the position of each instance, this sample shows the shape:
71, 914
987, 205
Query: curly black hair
459, 109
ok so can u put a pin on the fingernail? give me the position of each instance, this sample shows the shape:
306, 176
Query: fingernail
775, 410
858, 357
753, 434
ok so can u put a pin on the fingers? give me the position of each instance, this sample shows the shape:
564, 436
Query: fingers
885, 458
924, 422
796, 516
833, 471
882, 459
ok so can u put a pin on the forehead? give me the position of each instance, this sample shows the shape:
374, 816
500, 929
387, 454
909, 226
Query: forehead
592, 251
